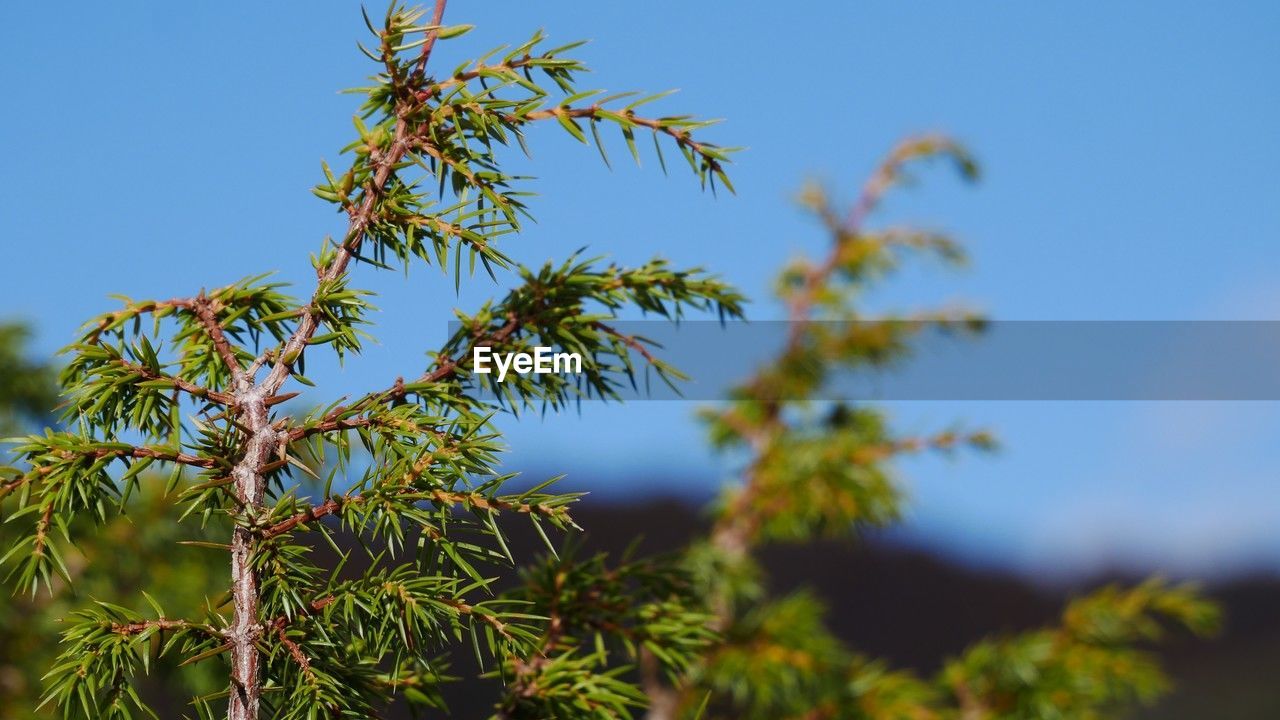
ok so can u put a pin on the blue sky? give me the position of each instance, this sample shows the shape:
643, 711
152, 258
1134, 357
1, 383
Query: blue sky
1129, 153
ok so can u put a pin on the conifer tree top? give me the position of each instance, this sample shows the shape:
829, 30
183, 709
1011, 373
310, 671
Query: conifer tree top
206, 386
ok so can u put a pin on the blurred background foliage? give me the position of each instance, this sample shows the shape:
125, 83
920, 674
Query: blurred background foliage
27, 389
813, 469
133, 550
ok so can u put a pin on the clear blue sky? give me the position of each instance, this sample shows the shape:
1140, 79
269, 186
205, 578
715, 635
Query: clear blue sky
1130, 154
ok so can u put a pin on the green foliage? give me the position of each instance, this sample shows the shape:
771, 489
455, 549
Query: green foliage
410, 473
777, 660
819, 468
131, 549
1085, 668
106, 645
637, 607
568, 306
197, 387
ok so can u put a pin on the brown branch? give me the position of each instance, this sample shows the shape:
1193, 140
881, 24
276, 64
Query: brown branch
527, 670
46, 518
428, 146
296, 653
465, 609
250, 483
736, 526
740, 521
14, 483
253, 402
474, 73
682, 136
451, 365
630, 341
443, 497
341, 424
133, 452
360, 220
334, 504
206, 311
166, 456
162, 624
45, 521
334, 420
196, 391
328, 507
133, 310
436, 18
327, 426
42, 530
361, 217
281, 622
850, 226
312, 608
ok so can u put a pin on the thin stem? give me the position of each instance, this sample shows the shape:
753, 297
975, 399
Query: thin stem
246, 683
436, 18
197, 391
361, 217
253, 409
682, 136
443, 497
206, 313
